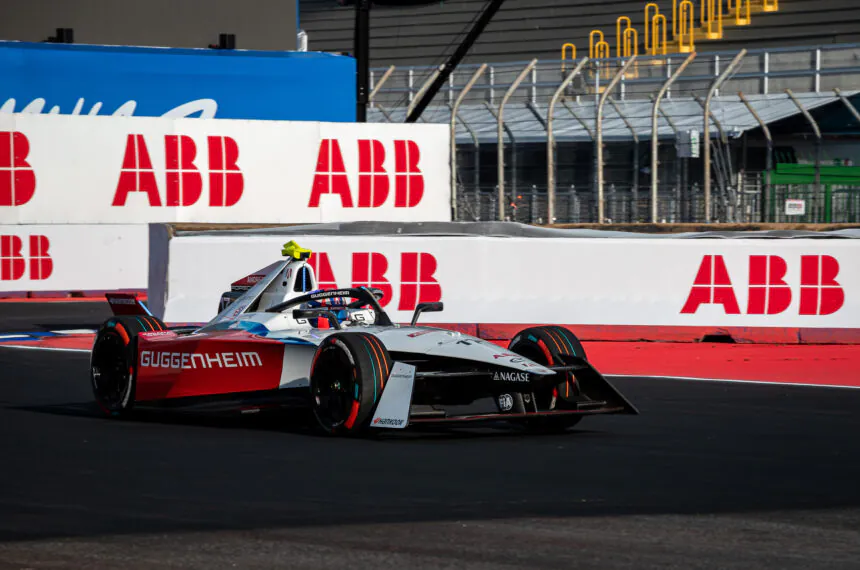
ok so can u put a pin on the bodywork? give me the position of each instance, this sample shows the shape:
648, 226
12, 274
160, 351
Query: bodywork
249, 358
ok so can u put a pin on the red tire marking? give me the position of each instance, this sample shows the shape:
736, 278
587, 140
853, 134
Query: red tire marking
353, 413
120, 328
542, 345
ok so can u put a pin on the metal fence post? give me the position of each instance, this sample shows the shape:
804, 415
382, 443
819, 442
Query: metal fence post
654, 138
599, 129
818, 139
379, 85
454, 111
424, 87
707, 134
501, 137
550, 141
634, 189
851, 108
768, 158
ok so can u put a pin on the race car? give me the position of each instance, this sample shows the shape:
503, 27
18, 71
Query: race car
280, 342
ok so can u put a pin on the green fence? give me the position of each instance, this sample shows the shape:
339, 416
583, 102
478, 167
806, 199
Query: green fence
831, 204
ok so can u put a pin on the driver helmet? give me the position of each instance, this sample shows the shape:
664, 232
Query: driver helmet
341, 310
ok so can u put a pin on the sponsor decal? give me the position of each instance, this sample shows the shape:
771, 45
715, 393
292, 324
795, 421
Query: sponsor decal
421, 333
374, 182
506, 402
388, 422
183, 180
327, 294
195, 360
199, 108
769, 293
511, 376
15, 259
17, 179
157, 334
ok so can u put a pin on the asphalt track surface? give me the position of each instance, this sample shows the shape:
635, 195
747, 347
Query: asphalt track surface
711, 475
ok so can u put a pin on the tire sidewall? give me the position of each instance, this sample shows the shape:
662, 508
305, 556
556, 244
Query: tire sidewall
370, 368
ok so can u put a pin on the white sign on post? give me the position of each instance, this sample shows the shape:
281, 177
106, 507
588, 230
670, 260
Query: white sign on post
795, 207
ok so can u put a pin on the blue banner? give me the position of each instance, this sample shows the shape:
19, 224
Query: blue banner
155, 82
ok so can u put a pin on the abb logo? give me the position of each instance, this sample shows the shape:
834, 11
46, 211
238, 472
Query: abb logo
374, 183
13, 260
769, 293
183, 179
17, 179
417, 284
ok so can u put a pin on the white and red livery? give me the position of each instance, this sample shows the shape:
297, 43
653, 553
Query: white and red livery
280, 342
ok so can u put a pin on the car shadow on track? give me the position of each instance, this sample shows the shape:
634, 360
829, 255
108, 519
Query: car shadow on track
301, 422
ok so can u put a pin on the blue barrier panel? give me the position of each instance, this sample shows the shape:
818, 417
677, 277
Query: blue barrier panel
153, 82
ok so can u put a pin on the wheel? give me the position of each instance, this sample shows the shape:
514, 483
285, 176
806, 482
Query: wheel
348, 374
113, 361
544, 345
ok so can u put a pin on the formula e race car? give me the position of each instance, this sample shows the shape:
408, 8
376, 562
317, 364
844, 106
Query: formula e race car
283, 343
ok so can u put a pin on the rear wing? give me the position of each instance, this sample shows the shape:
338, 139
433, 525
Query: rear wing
127, 304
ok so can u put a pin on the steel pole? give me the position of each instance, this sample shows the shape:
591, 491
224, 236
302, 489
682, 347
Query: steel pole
379, 85
454, 110
361, 52
655, 180
599, 130
851, 108
718, 82
422, 90
818, 139
768, 157
634, 190
501, 138
550, 141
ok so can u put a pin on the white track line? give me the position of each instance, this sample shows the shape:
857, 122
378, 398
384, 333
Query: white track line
723, 380
729, 381
48, 348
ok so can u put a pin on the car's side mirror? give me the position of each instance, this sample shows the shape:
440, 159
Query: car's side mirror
426, 308
315, 313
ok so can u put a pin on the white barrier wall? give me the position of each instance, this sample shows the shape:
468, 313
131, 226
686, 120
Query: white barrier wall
57, 169
671, 282
73, 258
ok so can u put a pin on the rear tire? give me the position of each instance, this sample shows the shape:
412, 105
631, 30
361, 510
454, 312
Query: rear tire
114, 359
545, 345
348, 374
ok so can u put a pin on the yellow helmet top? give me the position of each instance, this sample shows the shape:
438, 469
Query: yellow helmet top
294, 250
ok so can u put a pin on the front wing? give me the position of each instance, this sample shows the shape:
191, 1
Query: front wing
596, 396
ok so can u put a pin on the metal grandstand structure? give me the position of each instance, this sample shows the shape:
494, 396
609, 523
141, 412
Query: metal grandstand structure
507, 168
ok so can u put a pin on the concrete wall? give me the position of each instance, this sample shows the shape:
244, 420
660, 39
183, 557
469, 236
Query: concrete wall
257, 24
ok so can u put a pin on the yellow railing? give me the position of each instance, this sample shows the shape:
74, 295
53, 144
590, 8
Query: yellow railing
631, 43
592, 45
658, 40
674, 19
620, 35
712, 18
741, 10
564, 52
687, 27
648, 17
770, 5
602, 50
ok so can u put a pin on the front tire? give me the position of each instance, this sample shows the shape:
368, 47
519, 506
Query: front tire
545, 345
113, 362
348, 374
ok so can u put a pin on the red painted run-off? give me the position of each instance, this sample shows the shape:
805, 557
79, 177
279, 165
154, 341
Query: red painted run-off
825, 365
